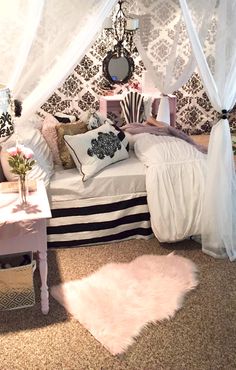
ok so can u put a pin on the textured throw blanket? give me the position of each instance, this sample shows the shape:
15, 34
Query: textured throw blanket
175, 185
137, 128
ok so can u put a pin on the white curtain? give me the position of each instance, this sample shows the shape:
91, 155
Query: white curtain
216, 60
164, 46
42, 41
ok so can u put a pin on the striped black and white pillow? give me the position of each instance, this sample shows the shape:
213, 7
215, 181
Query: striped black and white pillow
133, 107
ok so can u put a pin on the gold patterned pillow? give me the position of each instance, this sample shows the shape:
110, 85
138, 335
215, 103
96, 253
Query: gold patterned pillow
68, 129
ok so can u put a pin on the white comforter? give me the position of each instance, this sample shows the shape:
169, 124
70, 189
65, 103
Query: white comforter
175, 182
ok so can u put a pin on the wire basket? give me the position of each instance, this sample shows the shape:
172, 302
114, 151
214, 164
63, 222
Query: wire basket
16, 281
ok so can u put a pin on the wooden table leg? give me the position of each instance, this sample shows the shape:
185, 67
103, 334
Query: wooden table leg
43, 268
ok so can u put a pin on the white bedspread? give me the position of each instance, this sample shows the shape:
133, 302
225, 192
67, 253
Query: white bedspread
175, 180
124, 177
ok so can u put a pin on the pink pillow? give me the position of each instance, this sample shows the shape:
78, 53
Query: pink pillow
6, 167
49, 133
2, 177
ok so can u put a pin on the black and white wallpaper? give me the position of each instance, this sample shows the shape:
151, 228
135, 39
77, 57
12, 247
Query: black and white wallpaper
82, 89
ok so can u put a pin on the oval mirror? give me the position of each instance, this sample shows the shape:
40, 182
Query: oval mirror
118, 69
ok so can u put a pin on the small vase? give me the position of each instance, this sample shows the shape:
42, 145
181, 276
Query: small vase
23, 189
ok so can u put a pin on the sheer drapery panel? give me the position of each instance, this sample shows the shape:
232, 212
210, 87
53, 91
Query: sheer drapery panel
43, 40
216, 59
164, 46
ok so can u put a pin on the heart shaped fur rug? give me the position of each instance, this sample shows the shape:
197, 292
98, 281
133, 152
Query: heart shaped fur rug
118, 300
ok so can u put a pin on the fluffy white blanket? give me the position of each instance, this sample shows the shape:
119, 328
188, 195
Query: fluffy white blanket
175, 181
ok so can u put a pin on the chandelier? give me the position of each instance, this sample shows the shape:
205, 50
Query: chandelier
120, 30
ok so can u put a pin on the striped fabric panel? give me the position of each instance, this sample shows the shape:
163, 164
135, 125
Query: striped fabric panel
74, 208
99, 223
139, 233
105, 200
95, 217
90, 227
133, 107
92, 233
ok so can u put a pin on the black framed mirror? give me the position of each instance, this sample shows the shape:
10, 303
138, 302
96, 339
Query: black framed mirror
118, 68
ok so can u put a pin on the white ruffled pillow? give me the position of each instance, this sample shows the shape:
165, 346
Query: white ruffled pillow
97, 149
31, 138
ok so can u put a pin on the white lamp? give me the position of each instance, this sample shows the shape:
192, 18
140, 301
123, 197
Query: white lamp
6, 121
9, 109
163, 114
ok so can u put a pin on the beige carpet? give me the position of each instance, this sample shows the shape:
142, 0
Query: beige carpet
202, 334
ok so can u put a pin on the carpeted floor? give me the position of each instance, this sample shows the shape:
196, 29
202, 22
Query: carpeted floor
201, 336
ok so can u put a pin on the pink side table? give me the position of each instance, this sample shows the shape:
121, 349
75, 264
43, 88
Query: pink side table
24, 229
111, 104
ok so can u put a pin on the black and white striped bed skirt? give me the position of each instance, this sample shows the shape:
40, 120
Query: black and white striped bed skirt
99, 220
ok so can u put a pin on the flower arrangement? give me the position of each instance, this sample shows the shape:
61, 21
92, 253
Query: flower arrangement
131, 85
20, 160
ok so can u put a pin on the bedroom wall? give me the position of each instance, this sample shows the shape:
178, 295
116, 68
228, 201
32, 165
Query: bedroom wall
82, 89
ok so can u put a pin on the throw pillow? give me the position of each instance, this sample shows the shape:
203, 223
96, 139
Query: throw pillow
2, 177
96, 149
68, 129
96, 119
31, 138
49, 133
65, 118
132, 106
147, 101
131, 139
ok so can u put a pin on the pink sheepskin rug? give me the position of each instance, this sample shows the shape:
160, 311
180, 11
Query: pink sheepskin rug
119, 299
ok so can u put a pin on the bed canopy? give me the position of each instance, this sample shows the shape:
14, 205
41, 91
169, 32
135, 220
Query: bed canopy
43, 40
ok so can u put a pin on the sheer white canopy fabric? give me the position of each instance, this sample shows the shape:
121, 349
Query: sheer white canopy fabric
43, 40
216, 60
164, 46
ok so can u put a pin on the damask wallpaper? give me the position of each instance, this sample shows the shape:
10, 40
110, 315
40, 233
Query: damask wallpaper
82, 89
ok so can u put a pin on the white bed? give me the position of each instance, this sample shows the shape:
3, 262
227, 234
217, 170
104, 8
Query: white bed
175, 185
159, 192
157, 188
123, 177
110, 206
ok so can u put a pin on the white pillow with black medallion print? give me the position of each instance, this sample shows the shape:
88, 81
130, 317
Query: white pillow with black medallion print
98, 148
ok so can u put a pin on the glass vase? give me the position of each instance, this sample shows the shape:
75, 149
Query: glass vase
23, 189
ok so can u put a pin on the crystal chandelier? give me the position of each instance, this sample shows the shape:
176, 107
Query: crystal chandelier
120, 30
